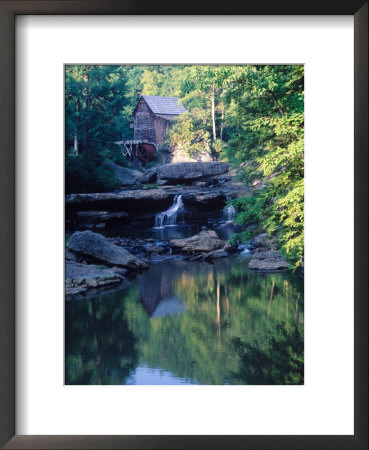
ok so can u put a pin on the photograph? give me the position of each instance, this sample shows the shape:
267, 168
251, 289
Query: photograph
184, 224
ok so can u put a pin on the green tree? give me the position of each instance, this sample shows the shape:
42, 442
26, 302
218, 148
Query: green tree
267, 132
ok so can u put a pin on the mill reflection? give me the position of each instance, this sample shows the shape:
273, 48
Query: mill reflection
193, 323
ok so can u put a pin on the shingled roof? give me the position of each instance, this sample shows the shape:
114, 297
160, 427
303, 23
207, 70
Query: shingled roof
164, 105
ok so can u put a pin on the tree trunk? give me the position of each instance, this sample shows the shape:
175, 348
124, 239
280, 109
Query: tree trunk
86, 79
270, 299
222, 124
86, 125
213, 111
218, 310
75, 147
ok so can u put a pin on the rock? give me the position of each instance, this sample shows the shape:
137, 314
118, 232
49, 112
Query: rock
145, 201
179, 155
262, 240
155, 258
217, 254
119, 271
150, 175
188, 171
153, 249
161, 183
133, 201
269, 261
69, 256
96, 218
126, 177
98, 248
199, 257
200, 183
207, 198
80, 277
230, 248
72, 292
206, 241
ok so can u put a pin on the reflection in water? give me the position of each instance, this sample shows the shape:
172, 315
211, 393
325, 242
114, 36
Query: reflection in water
148, 375
168, 306
190, 322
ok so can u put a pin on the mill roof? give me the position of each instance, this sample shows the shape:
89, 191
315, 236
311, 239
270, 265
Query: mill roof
168, 106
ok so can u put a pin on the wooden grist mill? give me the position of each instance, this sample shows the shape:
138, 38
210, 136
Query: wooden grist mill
151, 119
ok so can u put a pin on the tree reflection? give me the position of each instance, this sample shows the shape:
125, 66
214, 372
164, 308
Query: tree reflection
99, 347
210, 323
281, 362
223, 302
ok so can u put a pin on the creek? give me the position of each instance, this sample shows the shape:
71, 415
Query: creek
184, 322
188, 322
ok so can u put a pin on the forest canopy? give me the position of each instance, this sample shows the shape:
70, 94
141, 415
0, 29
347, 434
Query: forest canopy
251, 116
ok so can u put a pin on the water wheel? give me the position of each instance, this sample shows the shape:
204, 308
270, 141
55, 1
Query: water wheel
143, 154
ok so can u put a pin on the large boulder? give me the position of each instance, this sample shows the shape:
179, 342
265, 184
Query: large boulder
126, 177
131, 201
98, 219
81, 277
268, 261
206, 241
98, 248
189, 171
262, 240
150, 175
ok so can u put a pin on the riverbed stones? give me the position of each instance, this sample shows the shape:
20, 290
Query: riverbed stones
81, 277
98, 248
206, 241
268, 261
97, 218
125, 176
216, 254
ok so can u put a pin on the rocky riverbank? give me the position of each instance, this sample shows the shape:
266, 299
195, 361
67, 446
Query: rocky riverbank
202, 186
96, 261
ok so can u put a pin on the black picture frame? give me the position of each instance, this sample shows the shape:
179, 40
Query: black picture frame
8, 12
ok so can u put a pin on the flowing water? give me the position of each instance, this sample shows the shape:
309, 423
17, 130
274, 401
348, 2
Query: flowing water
229, 213
189, 323
169, 217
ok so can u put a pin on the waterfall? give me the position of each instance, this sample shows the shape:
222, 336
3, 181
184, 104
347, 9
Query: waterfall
169, 217
229, 212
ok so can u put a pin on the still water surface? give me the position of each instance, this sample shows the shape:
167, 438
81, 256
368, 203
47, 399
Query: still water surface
190, 323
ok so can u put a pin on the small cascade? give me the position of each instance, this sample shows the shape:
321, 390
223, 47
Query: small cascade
168, 218
229, 212
243, 249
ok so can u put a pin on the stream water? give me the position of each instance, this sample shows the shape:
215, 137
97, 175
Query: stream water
189, 323
169, 217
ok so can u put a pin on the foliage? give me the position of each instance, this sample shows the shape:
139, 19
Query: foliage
249, 115
267, 121
84, 173
243, 236
189, 132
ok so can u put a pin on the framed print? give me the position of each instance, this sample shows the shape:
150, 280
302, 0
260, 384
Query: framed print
198, 312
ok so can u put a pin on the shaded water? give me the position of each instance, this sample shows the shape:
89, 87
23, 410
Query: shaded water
190, 323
